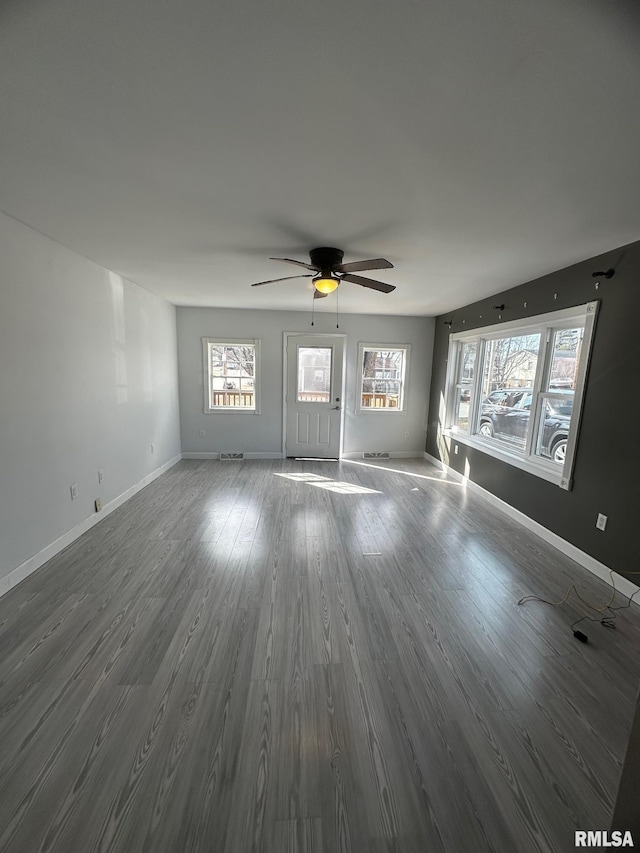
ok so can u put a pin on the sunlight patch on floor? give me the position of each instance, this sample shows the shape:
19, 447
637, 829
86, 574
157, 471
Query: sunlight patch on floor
346, 488
303, 478
331, 485
441, 479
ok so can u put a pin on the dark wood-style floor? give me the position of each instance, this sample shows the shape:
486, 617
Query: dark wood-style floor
243, 659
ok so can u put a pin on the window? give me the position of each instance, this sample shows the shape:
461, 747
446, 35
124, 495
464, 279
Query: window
464, 381
383, 371
515, 390
230, 375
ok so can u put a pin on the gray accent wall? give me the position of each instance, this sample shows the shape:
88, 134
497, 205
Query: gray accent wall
262, 434
88, 381
607, 464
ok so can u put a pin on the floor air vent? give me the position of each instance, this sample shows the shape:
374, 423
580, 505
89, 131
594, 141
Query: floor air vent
383, 455
232, 456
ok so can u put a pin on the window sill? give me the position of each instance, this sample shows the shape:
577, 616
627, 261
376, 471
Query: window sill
538, 468
380, 411
231, 411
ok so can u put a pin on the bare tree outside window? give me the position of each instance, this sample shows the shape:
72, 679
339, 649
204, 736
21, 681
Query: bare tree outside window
566, 358
511, 362
232, 373
468, 362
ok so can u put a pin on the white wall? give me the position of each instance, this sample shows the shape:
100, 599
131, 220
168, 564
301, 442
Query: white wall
88, 379
371, 431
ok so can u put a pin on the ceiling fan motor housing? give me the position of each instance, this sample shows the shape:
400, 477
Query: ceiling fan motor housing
326, 258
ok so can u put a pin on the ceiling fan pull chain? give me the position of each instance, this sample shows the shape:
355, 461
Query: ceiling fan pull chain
313, 308
337, 308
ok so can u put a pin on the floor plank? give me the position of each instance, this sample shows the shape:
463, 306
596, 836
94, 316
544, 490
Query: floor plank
238, 659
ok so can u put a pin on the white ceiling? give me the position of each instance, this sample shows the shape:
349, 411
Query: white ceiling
476, 145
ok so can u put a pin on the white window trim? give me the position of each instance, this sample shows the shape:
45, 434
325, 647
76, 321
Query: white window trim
367, 410
543, 323
231, 342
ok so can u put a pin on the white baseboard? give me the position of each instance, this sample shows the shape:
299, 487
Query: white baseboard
626, 587
393, 454
266, 454
29, 566
197, 455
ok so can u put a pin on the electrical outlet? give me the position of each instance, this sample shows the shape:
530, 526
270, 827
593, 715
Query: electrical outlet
98, 504
202, 433
74, 491
153, 450
601, 523
455, 449
406, 434
100, 475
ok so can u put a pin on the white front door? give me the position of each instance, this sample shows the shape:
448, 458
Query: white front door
313, 424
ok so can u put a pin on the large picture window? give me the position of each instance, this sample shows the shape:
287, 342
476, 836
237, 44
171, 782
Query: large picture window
383, 371
515, 390
230, 375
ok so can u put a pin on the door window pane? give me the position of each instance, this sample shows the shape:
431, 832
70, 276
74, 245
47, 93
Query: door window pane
314, 374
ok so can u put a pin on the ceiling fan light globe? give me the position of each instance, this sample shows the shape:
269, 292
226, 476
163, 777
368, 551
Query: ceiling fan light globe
326, 285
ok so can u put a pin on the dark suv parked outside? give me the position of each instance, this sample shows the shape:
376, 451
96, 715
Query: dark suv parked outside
505, 415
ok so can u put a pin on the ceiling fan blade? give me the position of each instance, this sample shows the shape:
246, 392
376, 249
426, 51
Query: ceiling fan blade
298, 263
271, 280
369, 282
373, 264
318, 295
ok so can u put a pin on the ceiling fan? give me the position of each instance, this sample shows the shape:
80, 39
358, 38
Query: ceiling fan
328, 271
